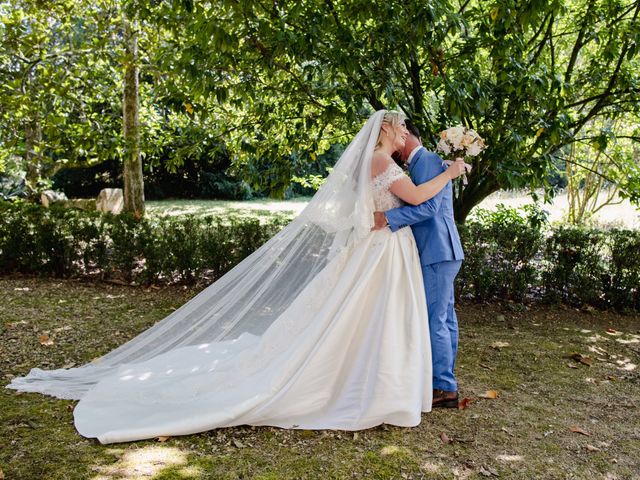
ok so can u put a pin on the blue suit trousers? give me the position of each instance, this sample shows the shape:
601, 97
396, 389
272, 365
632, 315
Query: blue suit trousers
443, 323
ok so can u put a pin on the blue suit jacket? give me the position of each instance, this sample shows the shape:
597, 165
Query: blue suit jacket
432, 222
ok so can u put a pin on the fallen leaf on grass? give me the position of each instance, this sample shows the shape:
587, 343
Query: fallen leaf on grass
487, 367
591, 448
575, 429
464, 403
1, 474
163, 439
45, 340
499, 345
578, 357
571, 365
238, 443
489, 394
445, 438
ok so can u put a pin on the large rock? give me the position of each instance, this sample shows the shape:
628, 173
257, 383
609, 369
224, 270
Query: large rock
48, 197
110, 200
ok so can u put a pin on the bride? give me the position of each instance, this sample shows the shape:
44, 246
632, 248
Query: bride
323, 327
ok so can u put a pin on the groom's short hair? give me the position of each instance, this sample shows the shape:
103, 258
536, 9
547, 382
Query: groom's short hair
413, 130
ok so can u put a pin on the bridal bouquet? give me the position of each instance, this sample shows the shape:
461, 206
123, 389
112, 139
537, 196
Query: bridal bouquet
460, 142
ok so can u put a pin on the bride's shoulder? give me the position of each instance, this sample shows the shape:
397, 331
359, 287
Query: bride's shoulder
380, 162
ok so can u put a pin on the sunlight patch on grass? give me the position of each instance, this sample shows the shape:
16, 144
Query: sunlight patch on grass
631, 339
626, 365
394, 450
144, 462
510, 458
260, 208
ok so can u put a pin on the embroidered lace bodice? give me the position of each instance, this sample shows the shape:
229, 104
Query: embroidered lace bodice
383, 198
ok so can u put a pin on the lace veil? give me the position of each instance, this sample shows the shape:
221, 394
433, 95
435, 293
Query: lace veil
252, 295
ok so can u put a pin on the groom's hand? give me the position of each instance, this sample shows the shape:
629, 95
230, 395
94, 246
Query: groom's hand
379, 220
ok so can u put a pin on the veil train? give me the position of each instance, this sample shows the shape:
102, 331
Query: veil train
250, 297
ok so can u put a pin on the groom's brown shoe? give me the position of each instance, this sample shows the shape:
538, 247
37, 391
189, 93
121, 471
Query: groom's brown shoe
444, 399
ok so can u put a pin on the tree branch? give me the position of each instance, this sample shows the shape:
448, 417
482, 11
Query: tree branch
612, 80
540, 46
601, 95
577, 46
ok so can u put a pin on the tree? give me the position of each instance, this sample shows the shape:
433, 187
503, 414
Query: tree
133, 181
597, 167
59, 104
529, 76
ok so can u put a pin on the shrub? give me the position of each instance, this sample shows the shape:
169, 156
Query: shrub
63, 242
622, 286
500, 249
19, 236
508, 256
575, 265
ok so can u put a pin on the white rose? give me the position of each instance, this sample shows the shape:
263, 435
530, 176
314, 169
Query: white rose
466, 140
454, 135
443, 146
474, 149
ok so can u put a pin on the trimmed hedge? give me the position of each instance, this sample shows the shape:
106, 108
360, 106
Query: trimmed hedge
510, 255
514, 256
69, 242
501, 248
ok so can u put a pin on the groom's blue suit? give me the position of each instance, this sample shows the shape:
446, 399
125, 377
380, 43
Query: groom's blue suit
441, 255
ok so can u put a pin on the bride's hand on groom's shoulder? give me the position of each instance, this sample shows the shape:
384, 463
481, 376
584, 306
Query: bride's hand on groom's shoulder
379, 221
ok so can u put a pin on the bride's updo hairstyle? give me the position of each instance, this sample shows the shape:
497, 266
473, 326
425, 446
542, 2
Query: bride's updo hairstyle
392, 118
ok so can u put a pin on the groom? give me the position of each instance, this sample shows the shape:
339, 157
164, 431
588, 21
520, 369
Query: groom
441, 256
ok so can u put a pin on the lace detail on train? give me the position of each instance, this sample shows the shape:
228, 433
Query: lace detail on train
383, 198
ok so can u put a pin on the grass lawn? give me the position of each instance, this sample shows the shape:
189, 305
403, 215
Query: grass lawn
260, 208
554, 416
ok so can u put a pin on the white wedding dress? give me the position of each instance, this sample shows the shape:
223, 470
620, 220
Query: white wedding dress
351, 351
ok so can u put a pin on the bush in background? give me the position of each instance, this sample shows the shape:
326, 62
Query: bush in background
576, 265
622, 287
510, 255
500, 251
69, 242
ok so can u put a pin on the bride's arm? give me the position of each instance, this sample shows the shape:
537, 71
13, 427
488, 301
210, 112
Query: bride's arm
413, 194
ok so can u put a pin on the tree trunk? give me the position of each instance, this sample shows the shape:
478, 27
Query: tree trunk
471, 195
33, 138
133, 180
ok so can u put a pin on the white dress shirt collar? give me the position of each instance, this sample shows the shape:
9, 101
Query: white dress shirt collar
413, 154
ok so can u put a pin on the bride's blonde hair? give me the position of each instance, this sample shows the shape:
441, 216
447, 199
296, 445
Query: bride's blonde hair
392, 118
